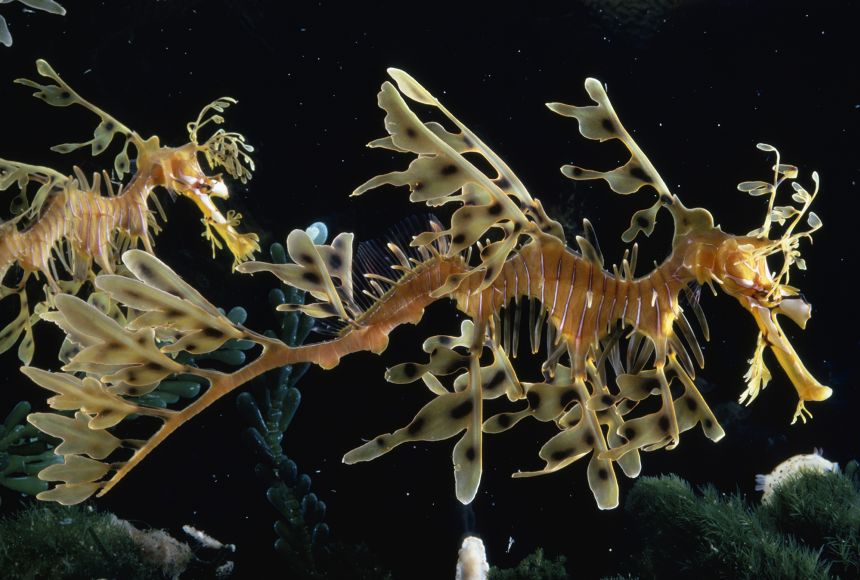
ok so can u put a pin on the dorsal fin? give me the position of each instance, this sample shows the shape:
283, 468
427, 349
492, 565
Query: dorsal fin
588, 246
375, 259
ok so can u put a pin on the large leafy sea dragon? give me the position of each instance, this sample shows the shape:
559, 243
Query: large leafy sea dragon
613, 339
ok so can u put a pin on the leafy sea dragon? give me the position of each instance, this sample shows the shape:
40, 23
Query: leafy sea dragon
77, 222
499, 251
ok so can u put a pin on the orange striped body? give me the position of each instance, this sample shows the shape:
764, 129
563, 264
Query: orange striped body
88, 221
582, 300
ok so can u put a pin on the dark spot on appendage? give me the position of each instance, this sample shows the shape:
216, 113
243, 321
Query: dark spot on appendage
642, 222
562, 454
133, 391
306, 259
380, 441
608, 125
603, 473
459, 239
629, 433
154, 366
444, 340
141, 339
415, 426
708, 423
496, 380
172, 291
664, 423
578, 171
110, 126
112, 345
462, 410
566, 397
131, 377
471, 454
145, 271
533, 397
172, 313
691, 404
641, 174
212, 333
335, 262
449, 169
503, 183
190, 347
418, 186
65, 95
505, 420
495, 209
410, 370
607, 400
311, 277
589, 439
410, 132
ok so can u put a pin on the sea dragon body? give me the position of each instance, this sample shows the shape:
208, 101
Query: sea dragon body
595, 317
71, 218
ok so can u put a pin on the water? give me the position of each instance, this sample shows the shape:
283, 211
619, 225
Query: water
698, 84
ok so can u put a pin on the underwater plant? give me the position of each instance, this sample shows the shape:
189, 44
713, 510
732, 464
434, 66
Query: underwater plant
24, 452
88, 543
77, 222
43, 5
302, 531
500, 249
535, 566
810, 528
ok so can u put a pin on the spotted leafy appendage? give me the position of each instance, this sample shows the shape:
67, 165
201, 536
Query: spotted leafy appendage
497, 207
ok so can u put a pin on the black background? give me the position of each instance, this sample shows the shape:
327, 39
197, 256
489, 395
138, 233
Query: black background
698, 84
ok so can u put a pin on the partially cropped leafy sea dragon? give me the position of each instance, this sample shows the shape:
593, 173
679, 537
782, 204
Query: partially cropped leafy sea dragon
499, 251
77, 223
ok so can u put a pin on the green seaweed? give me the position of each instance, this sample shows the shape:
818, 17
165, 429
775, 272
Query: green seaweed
535, 566
51, 541
810, 529
302, 536
24, 451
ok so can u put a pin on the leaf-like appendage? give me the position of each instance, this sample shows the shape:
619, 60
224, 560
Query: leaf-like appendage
87, 395
76, 434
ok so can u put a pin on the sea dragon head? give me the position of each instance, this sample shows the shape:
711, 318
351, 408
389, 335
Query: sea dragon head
740, 267
707, 255
187, 178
